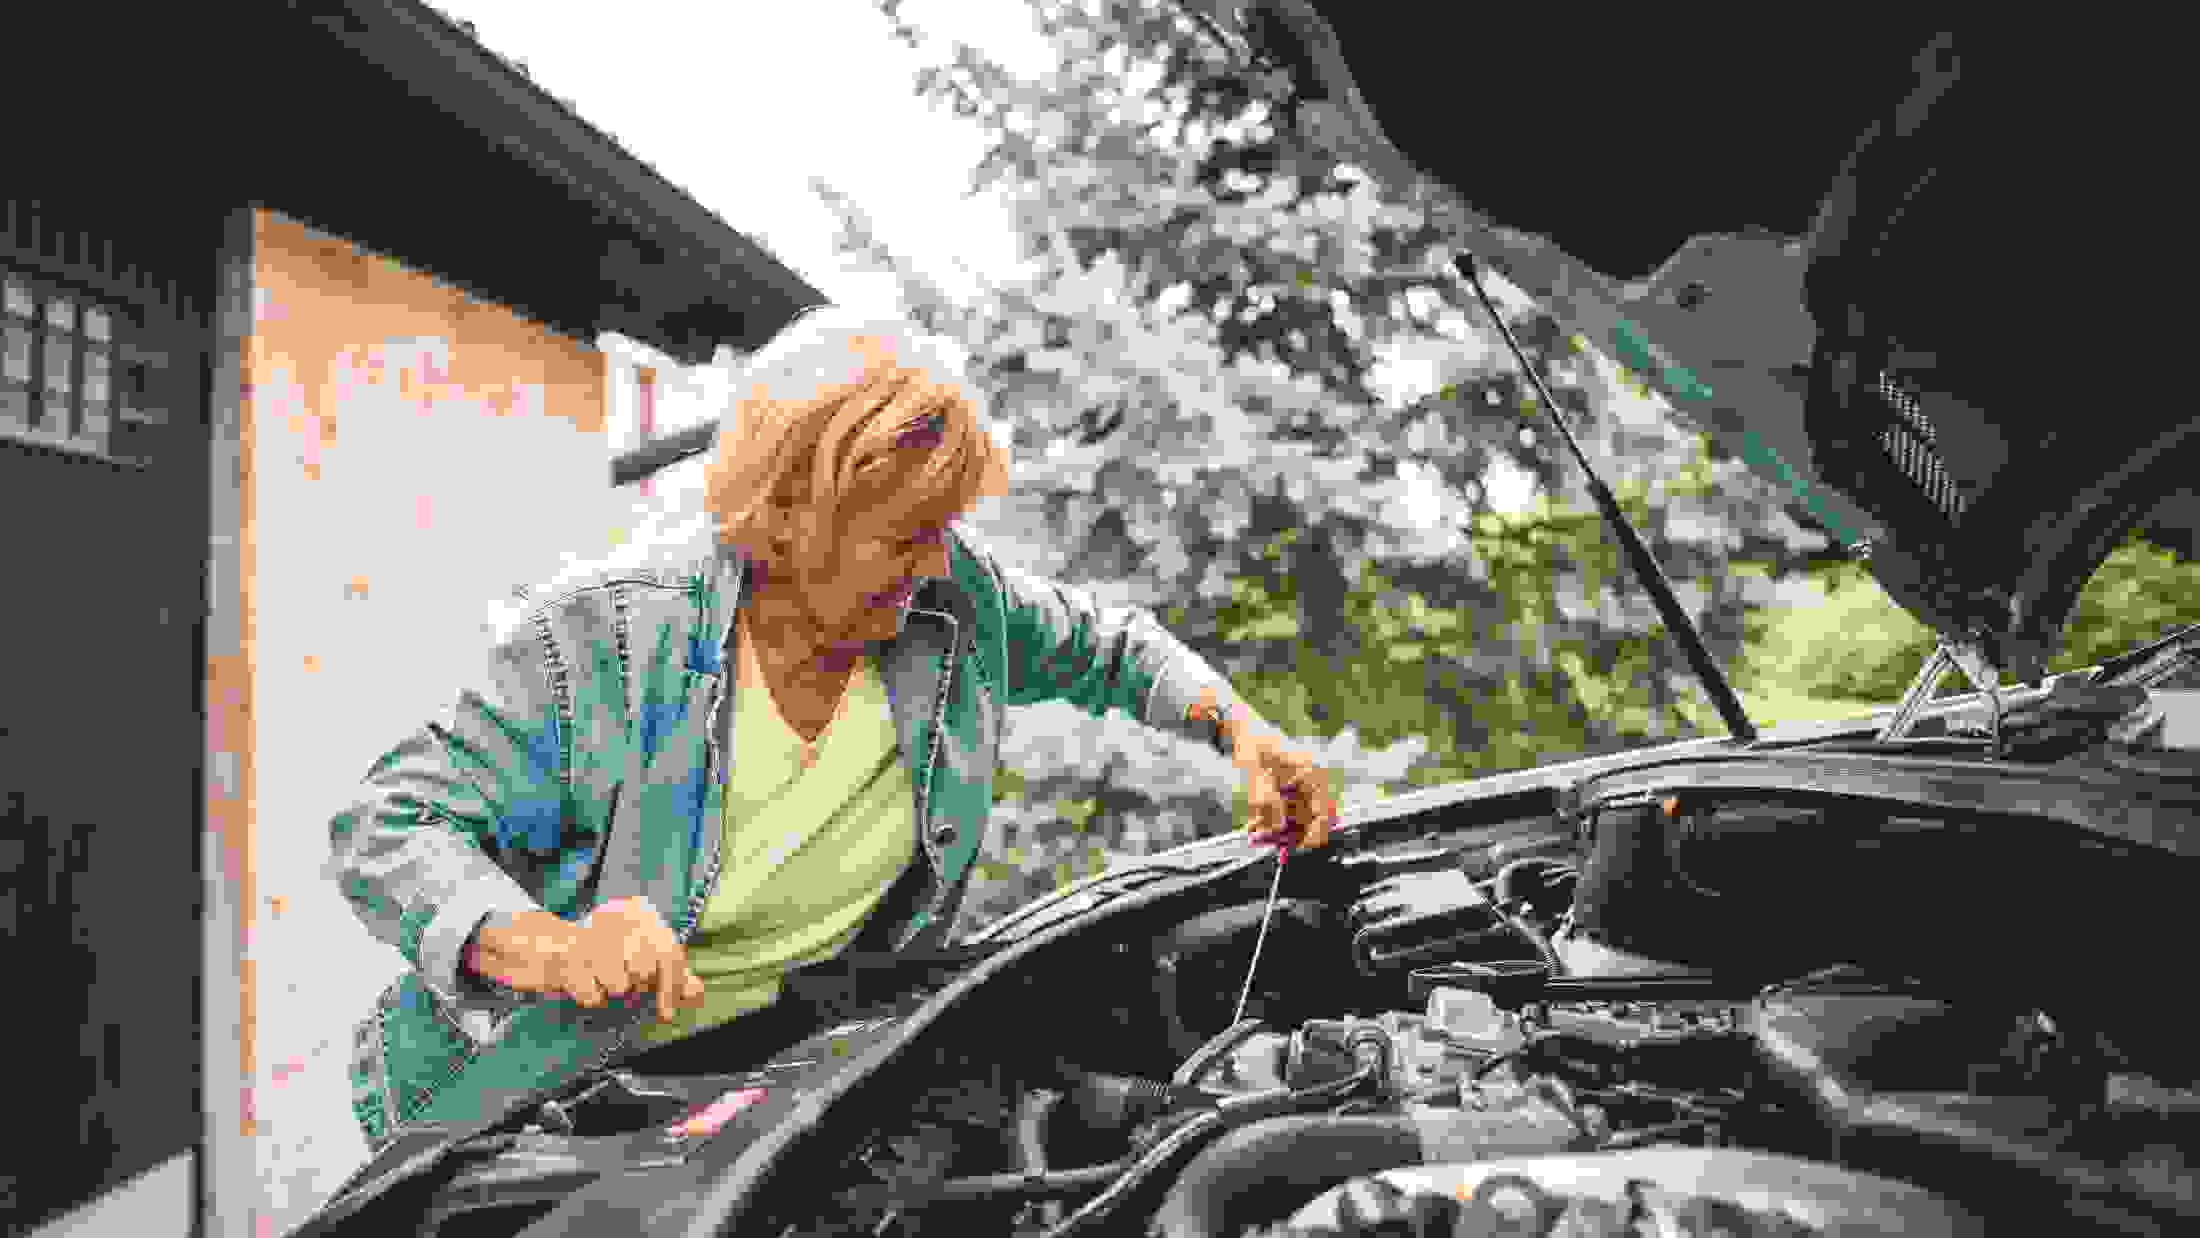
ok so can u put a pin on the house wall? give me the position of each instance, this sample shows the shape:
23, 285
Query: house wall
103, 500
410, 454
677, 397
408, 457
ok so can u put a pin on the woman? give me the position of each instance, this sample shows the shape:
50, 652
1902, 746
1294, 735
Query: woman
771, 743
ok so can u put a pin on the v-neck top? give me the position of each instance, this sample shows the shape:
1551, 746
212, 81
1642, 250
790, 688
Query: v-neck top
807, 853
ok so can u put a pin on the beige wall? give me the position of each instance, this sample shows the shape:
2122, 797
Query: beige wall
409, 454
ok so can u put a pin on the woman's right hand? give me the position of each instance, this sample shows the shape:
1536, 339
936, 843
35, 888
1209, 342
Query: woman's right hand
622, 948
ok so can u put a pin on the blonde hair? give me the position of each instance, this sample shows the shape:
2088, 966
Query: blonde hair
836, 405
832, 380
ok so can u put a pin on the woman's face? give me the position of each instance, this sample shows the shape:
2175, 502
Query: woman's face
881, 562
853, 593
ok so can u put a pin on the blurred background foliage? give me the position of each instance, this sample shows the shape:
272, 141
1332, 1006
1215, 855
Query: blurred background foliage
1246, 391
1857, 646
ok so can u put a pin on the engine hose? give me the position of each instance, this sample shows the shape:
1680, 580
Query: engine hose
1146, 1166
1236, 1112
1030, 1184
1183, 1041
1534, 937
1520, 880
1260, 1174
1196, 1066
1111, 1102
1287, 1159
1037, 1185
1031, 1130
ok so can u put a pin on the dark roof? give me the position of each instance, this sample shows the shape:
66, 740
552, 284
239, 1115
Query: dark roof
658, 265
526, 79
739, 257
388, 124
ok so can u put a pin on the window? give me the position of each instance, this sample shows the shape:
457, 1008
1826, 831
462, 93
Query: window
70, 375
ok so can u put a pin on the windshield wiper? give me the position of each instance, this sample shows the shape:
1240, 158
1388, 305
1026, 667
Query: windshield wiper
1646, 567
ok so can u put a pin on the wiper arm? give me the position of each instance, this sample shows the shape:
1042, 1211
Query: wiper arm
1646, 567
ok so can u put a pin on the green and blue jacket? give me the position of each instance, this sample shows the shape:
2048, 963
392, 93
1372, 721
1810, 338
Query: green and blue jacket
589, 764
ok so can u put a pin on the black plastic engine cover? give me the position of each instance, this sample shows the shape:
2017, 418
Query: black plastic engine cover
1876, 1043
1631, 896
1937, 1093
2011, 912
1414, 919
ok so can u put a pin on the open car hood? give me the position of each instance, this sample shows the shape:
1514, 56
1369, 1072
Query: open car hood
1984, 523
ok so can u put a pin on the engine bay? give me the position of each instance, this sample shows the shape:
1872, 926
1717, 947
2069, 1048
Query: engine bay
1261, 1121
1432, 1043
1465, 1047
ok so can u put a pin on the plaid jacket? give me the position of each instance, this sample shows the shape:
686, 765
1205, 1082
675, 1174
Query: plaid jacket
589, 765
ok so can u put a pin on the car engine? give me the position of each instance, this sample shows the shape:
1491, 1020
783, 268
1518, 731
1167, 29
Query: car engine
1492, 1094
1262, 1123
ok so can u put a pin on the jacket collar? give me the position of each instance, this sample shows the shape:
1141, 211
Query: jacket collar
730, 569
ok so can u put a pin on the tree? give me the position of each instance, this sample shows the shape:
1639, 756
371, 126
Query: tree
1248, 392
1857, 645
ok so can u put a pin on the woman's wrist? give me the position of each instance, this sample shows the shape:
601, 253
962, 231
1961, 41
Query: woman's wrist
509, 949
1223, 720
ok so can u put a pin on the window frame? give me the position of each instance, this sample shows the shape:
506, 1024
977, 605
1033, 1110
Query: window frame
60, 418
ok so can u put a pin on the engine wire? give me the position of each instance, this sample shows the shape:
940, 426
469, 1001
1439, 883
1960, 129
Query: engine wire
1099, 1207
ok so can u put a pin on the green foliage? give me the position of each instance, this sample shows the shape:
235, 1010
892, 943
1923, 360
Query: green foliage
2141, 592
1502, 682
1856, 645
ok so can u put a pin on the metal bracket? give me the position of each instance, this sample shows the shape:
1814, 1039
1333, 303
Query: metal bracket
1920, 691
1966, 656
1971, 658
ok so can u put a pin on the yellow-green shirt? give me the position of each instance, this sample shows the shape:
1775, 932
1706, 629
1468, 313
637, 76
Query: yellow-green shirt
807, 853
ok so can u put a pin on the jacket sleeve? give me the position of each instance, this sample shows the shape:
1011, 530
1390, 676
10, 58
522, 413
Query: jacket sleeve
1055, 642
413, 852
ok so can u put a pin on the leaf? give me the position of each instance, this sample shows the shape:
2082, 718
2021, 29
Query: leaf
1078, 812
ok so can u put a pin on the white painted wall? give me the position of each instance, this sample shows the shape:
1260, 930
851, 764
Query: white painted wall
440, 525
435, 525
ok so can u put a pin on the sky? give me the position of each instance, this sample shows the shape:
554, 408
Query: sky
740, 104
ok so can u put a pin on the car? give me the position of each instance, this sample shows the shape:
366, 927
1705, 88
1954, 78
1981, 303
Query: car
1917, 971
1896, 970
